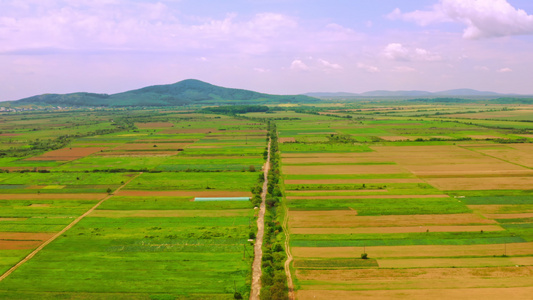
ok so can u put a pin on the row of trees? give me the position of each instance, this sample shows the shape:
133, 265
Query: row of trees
273, 279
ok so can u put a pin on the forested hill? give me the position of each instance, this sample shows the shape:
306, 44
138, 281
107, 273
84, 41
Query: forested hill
186, 92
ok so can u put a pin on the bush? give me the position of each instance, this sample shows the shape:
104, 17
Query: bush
364, 255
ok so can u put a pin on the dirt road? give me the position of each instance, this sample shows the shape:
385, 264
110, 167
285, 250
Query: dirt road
258, 251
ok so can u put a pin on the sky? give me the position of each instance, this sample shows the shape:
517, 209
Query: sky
271, 46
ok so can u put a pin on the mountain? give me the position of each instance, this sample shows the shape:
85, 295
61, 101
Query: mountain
410, 94
186, 92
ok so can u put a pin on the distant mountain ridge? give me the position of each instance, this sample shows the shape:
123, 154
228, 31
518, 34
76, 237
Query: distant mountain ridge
415, 93
186, 92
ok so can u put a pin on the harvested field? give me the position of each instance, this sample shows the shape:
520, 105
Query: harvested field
326, 160
456, 262
381, 230
354, 181
10, 134
367, 156
18, 245
169, 213
154, 125
344, 169
483, 183
348, 218
364, 197
287, 140
191, 194
415, 251
509, 216
401, 275
499, 209
52, 196
34, 236
67, 154
519, 153
420, 294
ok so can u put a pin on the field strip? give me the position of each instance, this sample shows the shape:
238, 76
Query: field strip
258, 247
365, 197
421, 294
353, 181
36, 196
181, 193
348, 218
34, 252
495, 157
509, 216
170, 213
484, 250
405, 229
455, 262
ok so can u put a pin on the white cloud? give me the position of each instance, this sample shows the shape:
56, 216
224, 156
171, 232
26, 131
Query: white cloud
368, 68
398, 52
482, 18
327, 65
505, 70
482, 68
298, 65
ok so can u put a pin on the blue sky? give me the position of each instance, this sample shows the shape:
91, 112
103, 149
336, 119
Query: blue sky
273, 46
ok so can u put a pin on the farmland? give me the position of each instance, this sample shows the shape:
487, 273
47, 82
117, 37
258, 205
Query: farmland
125, 193
419, 207
384, 200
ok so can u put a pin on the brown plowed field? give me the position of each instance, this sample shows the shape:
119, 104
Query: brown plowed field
456, 262
348, 218
67, 154
415, 251
518, 154
414, 274
380, 230
18, 245
343, 169
184, 193
420, 294
36, 236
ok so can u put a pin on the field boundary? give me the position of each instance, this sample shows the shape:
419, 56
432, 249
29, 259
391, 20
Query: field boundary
53, 238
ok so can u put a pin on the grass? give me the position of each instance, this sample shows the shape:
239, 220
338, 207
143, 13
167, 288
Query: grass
377, 207
233, 181
169, 203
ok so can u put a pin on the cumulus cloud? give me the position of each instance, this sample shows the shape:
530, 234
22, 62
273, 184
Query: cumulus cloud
398, 52
299, 65
326, 64
482, 18
505, 70
314, 64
